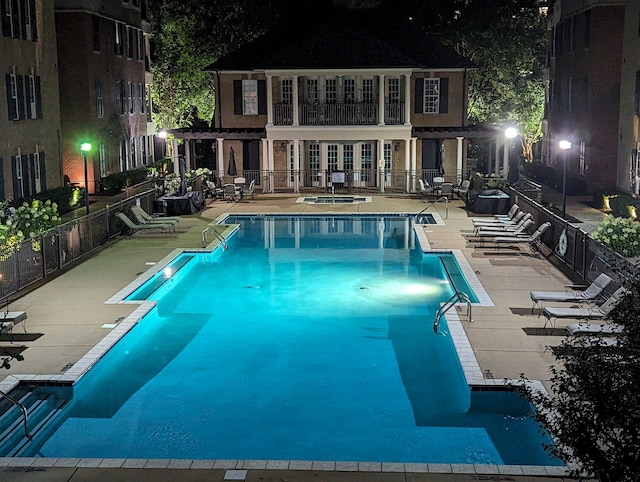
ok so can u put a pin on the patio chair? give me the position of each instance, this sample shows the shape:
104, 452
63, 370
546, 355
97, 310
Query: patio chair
142, 217
579, 294
249, 190
424, 189
232, 193
462, 188
132, 228
214, 190
551, 314
9, 319
446, 190
533, 241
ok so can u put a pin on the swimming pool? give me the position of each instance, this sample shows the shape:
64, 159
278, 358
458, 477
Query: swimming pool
309, 339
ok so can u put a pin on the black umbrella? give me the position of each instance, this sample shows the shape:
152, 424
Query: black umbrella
182, 167
233, 170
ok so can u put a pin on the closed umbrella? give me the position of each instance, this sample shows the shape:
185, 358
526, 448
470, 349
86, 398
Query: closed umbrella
182, 166
233, 170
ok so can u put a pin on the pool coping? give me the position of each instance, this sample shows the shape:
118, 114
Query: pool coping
471, 368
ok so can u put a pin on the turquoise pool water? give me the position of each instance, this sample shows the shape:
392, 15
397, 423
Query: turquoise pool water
308, 339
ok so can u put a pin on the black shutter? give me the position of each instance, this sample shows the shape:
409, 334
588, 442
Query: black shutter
419, 96
6, 21
34, 20
20, 87
237, 97
15, 18
14, 176
11, 105
25, 176
32, 171
43, 172
38, 99
23, 15
444, 95
262, 97
27, 79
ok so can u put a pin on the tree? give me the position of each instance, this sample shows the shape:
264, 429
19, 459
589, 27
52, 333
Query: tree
593, 412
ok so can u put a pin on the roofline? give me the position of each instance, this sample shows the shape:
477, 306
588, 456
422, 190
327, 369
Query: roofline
342, 71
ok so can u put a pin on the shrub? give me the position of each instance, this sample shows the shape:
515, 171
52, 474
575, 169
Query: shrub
67, 198
117, 181
26, 222
620, 234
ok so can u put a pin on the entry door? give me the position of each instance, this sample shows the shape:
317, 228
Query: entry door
388, 162
429, 154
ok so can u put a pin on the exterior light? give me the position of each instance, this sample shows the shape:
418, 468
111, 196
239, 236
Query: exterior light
162, 134
564, 145
510, 132
84, 148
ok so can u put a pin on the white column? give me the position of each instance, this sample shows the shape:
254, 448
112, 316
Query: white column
496, 167
381, 164
407, 99
296, 165
264, 146
176, 157
459, 160
381, 100
269, 100
416, 170
296, 102
505, 159
220, 156
407, 165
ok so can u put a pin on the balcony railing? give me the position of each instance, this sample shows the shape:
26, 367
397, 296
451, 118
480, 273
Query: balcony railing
319, 114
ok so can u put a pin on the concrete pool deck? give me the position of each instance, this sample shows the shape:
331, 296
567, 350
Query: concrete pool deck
67, 314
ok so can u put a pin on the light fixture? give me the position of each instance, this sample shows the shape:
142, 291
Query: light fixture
84, 148
564, 145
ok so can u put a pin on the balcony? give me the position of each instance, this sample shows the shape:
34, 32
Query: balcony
353, 114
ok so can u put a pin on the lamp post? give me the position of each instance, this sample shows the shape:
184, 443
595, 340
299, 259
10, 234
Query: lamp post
84, 148
509, 133
162, 134
564, 146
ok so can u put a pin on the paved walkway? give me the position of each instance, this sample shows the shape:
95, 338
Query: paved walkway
67, 315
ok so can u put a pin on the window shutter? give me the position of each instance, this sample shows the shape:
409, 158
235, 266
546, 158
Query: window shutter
20, 86
27, 79
23, 19
32, 171
262, 97
34, 20
6, 22
237, 97
38, 99
419, 96
11, 105
444, 95
43, 173
14, 177
15, 18
26, 177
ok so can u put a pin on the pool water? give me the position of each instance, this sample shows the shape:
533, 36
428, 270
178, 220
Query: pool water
308, 339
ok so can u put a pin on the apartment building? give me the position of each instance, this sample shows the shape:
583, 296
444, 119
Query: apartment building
29, 111
352, 100
104, 82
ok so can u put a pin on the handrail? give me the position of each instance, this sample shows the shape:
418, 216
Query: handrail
451, 302
432, 203
220, 238
22, 407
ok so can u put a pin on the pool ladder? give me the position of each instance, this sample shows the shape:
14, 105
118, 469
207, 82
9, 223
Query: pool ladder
450, 303
433, 203
22, 408
219, 236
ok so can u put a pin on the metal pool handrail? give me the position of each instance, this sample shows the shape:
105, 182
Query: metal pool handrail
220, 238
457, 297
21, 407
433, 203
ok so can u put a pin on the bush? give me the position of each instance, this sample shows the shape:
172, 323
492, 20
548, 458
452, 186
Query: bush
26, 222
621, 234
67, 198
117, 181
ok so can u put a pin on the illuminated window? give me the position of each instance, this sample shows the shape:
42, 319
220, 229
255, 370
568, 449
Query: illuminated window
99, 99
250, 97
431, 96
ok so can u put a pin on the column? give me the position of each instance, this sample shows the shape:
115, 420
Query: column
296, 165
296, 102
459, 160
416, 170
408, 165
505, 158
269, 100
381, 100
220, 156
496, 167
380, 152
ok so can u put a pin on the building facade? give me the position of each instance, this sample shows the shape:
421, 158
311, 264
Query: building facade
585, 104
344, 103
103, 56
30, 159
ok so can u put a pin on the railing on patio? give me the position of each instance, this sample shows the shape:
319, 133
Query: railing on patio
46, 255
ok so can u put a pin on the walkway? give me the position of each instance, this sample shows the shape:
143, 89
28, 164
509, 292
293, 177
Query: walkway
68, 316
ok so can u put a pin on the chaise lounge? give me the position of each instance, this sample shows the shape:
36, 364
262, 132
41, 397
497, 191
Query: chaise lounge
134, 228
590, 293
551, 314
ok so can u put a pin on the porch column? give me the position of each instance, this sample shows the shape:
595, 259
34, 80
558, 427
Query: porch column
459, 160
489, 158
270, 164
409, 167
269, 100
416, 171
296, 102
380, 152
505, 157
296, 165
264, 147
175, 157
381, 100
407, 99
187, 154
496, 166
220, 156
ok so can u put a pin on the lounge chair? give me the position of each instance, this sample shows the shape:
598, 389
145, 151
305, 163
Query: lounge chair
588, 293
551, 314
9, 319
520, 215
584, 328
142, 217
533, 241
481, 235
503, 228
134, 228
513, 211
249, 190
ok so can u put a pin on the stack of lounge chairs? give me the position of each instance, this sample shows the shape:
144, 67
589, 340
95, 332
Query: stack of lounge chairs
591, 312
573, 293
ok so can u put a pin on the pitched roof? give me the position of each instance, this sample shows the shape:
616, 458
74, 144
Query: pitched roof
348, 40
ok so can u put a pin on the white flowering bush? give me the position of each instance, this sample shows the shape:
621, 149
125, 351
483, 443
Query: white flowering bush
620, 234
26, 222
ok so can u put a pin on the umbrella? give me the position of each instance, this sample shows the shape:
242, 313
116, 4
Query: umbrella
182, 166
233, 170
441, 165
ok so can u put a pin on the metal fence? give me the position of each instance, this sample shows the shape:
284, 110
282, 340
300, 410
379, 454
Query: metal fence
45, 256
583, 255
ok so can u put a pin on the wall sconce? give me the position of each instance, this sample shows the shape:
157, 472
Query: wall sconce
283, 146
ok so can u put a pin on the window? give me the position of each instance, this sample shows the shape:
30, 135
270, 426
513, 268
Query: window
347, 157
141, 50
331, 91
18, 167
313, 157
99, 99
431, 96
119, 38
582, 165
12, 97
286, 87
120, 97
388, 149
311, 91
32, 108
143, 150
122, 154
134, 161
332, 157
250, 97
349, 88
27, 20
102, 160
394, 90
130, 42
10, 18
367, 91
37, 181
96, 33
130, 95
141, 99
366, 158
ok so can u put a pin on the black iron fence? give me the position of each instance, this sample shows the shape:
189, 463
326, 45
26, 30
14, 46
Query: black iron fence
38, 258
